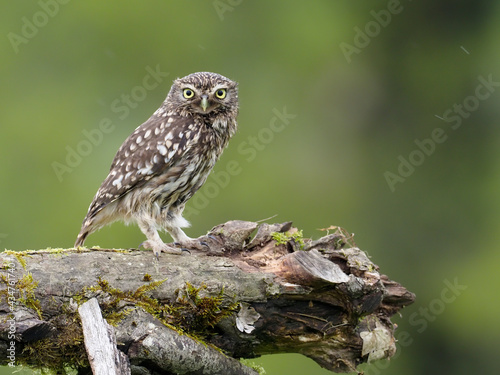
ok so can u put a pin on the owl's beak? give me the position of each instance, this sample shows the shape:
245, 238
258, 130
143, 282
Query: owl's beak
204, 102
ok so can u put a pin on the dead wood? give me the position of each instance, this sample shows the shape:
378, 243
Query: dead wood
258, 289
100, 342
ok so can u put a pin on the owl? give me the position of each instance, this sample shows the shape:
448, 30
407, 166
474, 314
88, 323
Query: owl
166, 160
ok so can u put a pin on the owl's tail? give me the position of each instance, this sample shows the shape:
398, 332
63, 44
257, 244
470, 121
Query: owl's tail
94, 220
80, 239
87, 228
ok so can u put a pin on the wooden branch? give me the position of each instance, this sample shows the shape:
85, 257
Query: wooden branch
258, 289
171, 351
100, 342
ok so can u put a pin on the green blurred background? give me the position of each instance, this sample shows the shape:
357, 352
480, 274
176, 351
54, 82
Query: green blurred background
366, 81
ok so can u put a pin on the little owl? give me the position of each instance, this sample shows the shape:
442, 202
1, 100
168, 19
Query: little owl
166, 160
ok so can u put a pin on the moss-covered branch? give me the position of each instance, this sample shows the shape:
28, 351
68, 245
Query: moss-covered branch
258, 289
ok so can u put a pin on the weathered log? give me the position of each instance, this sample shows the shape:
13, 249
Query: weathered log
247, 295
170, 351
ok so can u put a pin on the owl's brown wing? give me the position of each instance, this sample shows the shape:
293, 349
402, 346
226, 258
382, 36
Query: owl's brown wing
152, 149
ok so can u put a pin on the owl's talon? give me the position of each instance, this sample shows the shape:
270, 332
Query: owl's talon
158, 248
194, 244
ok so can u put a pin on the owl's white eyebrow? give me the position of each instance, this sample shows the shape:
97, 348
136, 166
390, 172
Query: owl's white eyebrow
189, 86
219, 86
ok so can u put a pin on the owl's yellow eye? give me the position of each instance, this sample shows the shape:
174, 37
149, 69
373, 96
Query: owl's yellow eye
220, 93
188, 93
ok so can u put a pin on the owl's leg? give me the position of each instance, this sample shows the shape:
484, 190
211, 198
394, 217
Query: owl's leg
154, 241
173, 221
178, 235
173, 226
181, 239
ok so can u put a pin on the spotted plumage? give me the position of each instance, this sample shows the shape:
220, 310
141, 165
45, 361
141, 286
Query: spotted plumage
166, 160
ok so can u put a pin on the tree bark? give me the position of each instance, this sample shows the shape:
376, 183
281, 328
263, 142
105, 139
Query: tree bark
254, 289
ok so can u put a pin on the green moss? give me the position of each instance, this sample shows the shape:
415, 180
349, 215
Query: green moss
26, 287
19, 255
283, 238
196, 314
24, 292
66, 350
191, 313
58, 353
111, 308
253, 365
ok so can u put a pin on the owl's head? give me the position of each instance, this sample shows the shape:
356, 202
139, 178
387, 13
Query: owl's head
204, 93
